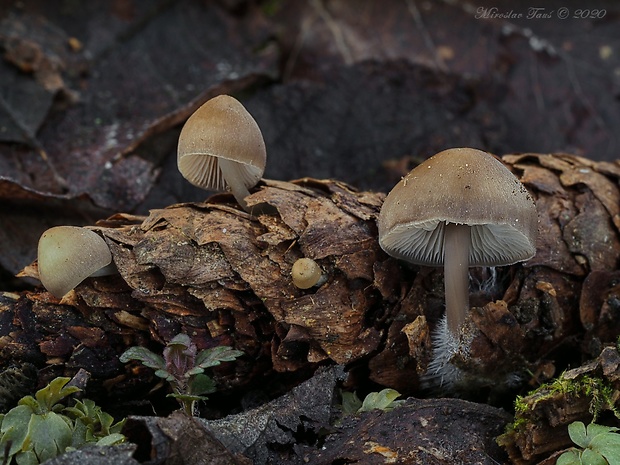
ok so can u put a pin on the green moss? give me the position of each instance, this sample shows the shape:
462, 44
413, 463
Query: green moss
521, 406
599, 392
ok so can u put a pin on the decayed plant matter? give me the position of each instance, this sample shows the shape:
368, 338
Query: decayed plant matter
223, 276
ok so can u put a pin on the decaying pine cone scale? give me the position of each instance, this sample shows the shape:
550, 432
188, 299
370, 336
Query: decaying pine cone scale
223, 276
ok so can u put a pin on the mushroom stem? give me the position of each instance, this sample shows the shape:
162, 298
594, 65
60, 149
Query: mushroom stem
230, 172
457, 241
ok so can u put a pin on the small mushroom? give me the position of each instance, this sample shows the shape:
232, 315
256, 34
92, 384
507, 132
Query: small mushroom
306, 273
221, 147
460, 208
69, 254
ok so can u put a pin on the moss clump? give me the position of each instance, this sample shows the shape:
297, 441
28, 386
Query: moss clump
580, 394
601, 393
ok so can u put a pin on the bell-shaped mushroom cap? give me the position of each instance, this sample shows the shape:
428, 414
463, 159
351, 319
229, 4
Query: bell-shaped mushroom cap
221, 129
67, 255
461, 186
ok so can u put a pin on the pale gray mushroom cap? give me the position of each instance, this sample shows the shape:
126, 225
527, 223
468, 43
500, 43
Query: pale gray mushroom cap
461, 186
69, 254
221, 129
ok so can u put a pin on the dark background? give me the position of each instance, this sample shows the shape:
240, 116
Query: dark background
93, 94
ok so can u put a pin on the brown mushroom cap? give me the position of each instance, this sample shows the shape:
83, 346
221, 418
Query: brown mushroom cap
221, 129
67, 255
460, 186
306, 273
460, 208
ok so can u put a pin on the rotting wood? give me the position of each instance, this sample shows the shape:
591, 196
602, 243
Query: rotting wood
584, 394
223, 277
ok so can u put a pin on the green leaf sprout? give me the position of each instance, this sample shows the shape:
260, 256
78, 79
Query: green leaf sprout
41, 428
600, 445
382, 400
183, 367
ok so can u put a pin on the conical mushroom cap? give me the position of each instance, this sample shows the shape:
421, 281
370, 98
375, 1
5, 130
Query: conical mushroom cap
221, 128
461, 186
67, 255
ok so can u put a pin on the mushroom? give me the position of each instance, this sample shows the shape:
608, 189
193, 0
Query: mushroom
221, 147
306, 273
69, 254
460, 208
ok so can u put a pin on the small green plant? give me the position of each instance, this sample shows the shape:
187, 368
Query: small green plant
600, 445
382, 400
183, 367
40, 427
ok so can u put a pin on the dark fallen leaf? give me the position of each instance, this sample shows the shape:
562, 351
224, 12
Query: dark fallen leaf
564, 68
419, 431
273, 432
362, 115
139, 79
98, 455
178, 440
35, 53
127, 75
14, 382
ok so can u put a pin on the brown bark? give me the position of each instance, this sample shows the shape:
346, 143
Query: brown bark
223, 277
